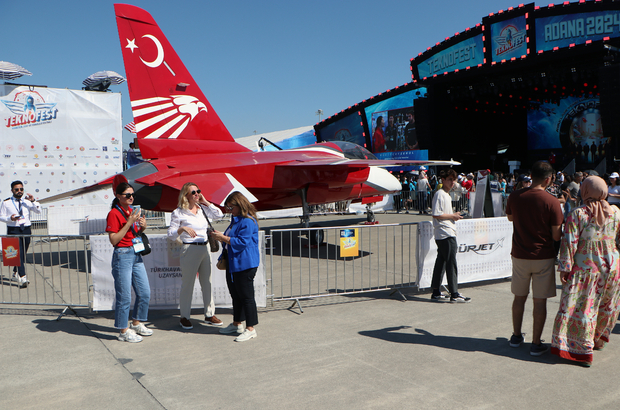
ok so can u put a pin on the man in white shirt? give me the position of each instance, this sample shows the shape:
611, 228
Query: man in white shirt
15, 212
422, 191
444, 223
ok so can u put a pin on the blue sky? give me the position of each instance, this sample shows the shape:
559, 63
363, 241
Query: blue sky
264, 66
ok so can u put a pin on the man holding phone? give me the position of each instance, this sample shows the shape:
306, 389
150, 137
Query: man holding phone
15, 212
444, 224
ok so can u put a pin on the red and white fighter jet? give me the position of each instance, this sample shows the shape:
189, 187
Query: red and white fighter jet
185, 141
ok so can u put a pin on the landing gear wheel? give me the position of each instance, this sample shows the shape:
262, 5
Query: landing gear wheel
370, 217
316, 237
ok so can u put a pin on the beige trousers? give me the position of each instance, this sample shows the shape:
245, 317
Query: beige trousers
196, 259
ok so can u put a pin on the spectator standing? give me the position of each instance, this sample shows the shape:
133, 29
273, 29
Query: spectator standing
537, 219
574, 186
589, 271
405, 193
124, 225
444, 224
15, 213
422, 192
240, 241
614, 190
189, 225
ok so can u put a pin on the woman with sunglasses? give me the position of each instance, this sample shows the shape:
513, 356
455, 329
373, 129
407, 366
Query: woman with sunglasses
240, 241
124, 225
189, 225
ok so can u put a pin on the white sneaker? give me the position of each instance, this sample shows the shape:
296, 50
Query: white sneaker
130, 336
246, 335
21, 280
232, 328
141, 329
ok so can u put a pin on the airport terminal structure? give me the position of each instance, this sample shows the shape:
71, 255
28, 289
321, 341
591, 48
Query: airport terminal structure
525, 84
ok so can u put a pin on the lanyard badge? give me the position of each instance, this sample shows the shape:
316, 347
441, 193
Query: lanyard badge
138, 245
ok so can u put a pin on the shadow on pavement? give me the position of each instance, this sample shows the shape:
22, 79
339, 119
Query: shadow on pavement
498, 347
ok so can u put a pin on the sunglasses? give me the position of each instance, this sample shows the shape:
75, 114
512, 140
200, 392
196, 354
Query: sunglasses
127, 195
230, 207
18, 189
195, 192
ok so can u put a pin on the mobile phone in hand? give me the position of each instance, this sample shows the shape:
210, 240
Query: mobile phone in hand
136, 209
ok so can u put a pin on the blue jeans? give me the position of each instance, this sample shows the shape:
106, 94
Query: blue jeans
128, 271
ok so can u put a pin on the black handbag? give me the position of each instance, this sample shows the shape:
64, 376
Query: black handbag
147, 245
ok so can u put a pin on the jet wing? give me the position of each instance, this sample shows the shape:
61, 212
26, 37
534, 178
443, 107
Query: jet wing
215, 186
370, 162
77, 192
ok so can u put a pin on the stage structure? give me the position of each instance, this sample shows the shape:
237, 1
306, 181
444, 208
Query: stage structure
527, 83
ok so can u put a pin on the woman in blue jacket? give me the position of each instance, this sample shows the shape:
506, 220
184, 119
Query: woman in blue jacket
240, 242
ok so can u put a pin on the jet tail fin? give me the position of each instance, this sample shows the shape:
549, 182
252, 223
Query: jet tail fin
167, 103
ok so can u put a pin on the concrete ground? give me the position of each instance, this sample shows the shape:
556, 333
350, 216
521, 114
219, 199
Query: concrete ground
364, 351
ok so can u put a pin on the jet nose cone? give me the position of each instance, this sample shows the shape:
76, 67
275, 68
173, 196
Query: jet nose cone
383, 181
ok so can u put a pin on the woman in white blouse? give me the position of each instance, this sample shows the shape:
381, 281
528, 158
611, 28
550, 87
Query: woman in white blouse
189, 225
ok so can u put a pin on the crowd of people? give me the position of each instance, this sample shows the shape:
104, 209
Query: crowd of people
572, 221
418, 190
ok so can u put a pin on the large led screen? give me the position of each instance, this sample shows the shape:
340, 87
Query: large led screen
574, 127
349, 129
566, 29
392, 127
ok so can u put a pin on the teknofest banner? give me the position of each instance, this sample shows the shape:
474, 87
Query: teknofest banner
57, 140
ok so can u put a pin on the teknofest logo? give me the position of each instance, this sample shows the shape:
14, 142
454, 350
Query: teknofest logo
510, 38
29, 108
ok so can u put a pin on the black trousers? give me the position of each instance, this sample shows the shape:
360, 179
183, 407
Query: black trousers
446, 262
24, 243
241, 288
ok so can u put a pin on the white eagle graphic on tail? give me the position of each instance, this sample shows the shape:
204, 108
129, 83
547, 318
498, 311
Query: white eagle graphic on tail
166, 117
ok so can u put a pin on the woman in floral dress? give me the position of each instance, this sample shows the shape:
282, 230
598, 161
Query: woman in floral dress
590, 276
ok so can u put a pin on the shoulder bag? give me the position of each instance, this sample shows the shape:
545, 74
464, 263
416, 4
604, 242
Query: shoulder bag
214, 244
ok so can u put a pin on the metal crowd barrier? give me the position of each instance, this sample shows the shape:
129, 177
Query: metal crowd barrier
307, 263
411, 201
58, 269
155, 219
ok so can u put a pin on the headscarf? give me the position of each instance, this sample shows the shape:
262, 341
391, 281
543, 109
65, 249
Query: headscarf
593, 194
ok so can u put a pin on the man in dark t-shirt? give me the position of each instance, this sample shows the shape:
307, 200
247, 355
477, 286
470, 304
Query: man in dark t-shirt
537, 220
410, 135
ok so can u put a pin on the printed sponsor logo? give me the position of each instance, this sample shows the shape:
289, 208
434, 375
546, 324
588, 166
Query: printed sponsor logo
482, 248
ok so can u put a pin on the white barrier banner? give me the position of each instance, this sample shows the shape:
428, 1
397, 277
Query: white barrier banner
164, 272
484, 247
77, 219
